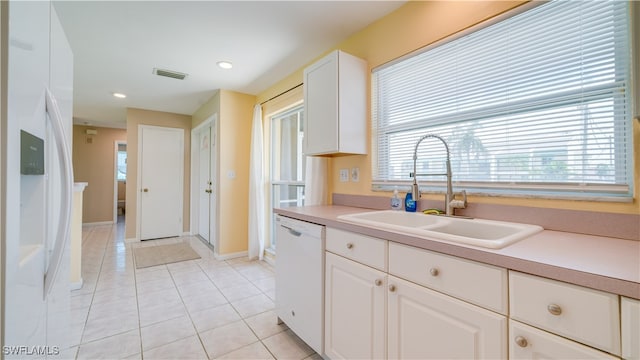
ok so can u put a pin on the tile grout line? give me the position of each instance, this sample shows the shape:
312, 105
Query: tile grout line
135, 282
240, 315
93, 293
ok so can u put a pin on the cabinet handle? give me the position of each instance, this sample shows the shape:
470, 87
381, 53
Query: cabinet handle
293, 313
378, 282
349, 246
392, 288
291, 231
434, 271
521, 341
554, 309
145, 190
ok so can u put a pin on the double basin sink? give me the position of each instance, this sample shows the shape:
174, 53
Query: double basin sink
478, 232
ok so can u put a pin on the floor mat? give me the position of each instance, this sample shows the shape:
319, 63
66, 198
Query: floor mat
163, 254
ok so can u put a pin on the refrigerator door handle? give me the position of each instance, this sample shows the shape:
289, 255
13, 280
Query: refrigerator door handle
66, 170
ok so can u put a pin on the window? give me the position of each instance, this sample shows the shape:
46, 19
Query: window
537, 104
287, 162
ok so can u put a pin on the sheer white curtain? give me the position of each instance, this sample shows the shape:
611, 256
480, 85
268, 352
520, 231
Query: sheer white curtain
257, 205
316, 189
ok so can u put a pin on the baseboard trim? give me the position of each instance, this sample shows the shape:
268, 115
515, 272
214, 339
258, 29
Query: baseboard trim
77, 285
230, 256
269, 260
98, 223
131, 240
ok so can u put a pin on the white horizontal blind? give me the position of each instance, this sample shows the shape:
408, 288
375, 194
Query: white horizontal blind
536, 104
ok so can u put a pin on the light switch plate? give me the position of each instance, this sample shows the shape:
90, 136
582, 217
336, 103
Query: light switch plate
355, 174
344, 175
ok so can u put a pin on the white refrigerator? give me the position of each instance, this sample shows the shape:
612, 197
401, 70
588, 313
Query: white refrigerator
37, 180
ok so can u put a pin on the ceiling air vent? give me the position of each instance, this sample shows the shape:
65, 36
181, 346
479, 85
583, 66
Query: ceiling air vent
170, 73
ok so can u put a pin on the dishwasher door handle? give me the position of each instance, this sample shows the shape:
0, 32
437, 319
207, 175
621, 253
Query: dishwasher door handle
291, 231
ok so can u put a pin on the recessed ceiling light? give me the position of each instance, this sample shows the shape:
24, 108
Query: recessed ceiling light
225, 64
119, 95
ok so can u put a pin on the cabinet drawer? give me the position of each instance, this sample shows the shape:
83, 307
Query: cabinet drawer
527, 342
480, 284
588, 316
363, 249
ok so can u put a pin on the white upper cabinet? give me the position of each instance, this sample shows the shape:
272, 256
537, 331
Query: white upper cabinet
335, 100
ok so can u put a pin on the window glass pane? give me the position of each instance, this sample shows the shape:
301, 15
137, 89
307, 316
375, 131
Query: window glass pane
287, 135
542, 98
122, 165
287, 162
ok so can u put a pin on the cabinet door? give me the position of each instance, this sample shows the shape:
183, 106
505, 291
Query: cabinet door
354, 310
630, 328
530, 343
425, 324
321, 106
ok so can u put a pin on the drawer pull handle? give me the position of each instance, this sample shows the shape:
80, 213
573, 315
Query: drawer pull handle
521, 341
434, 271
378, 282
349, 246
554, 309
392, 288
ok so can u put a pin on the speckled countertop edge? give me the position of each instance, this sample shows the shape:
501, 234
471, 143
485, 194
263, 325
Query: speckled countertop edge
601, 263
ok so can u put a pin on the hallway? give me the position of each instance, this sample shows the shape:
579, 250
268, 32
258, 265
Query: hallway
195, 309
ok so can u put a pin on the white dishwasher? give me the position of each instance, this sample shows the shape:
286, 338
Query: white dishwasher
300, 279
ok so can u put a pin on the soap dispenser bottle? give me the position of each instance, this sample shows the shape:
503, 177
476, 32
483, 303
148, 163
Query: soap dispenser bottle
409, 203
396, 202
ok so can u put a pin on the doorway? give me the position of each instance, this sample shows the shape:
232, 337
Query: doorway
120, 182
160, 181
204, 175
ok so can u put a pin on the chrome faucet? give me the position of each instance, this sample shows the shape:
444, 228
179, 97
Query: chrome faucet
450, 202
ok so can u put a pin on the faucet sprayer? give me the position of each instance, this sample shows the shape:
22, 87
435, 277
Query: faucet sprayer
450, 202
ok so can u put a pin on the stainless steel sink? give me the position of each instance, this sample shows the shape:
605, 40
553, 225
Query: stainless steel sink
478, 232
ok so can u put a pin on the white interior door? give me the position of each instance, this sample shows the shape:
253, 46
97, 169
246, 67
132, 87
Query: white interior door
204, 184
161, 174
204, 175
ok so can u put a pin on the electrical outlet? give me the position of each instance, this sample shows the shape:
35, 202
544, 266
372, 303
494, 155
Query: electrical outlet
344, 175
355, 174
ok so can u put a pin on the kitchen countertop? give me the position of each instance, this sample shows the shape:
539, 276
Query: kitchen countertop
597, 262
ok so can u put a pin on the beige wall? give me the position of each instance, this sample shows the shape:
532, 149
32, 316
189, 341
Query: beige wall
212, 106
94, 162
411, 27
235, 114
137, 117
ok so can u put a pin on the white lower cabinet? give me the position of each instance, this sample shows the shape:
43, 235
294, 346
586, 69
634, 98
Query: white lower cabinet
424, 305
355, 302
630, 328
425, 324
370, 314
528, 342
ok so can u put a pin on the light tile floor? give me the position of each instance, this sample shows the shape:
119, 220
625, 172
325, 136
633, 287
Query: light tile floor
198, 309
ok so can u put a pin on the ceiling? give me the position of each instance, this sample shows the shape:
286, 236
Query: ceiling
117, 44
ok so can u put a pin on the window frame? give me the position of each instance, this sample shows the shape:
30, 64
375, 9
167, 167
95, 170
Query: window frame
274, 183
604, 192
